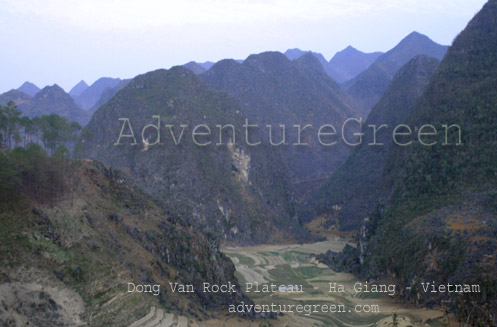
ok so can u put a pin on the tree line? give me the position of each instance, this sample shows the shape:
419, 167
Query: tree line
33, 156
53, 132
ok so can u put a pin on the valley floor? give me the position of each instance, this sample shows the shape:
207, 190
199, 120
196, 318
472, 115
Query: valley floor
293, 265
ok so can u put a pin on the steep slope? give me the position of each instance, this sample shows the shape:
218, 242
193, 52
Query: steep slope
349, 63
235, 192
108, 93
274, 90
92, 94
441, 223
54, 100
29, 88
78, 89
354, 187
412, 45
71, 243
368, 86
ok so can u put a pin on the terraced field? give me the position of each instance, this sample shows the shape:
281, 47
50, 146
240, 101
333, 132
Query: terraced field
293, 265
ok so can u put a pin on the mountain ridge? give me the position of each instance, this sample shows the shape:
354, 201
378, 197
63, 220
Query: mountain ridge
78, 89
275, 90
369, 85
49, 100
343, 66
237, 193
440, 221
354, 187
29, 88
90, 96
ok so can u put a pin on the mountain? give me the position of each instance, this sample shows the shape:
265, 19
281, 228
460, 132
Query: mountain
344, 66
368, 86
108, 93
440, 223
16, 96
274, 90
234, 192
78, 89
199, 67
206, 65
295, 53
50, 100
349, 63
74, 234
354, 186
54, 100
29, 88
194, 67
89, 97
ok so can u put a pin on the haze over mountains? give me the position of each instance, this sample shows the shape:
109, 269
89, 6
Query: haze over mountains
365, 81
78, 89
16, 96
368, 86
76, 106
90, 96
173, 193
345, 65
29, 88
272, 88
50, 100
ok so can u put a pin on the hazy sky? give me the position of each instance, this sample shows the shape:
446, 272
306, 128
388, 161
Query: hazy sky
64, 41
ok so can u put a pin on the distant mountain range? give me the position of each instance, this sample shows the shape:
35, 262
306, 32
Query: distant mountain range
16, 96
77, 106
50, 100
29, 88
426, 211
368, 86
349, 63
200, 67
194, 67
344, 66
90, 95
78, 89
108, 93
365, 76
